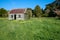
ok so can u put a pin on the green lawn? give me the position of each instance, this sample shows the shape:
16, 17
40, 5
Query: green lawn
33, 29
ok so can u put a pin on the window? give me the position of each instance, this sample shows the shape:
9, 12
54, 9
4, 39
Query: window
11, 16
19, 16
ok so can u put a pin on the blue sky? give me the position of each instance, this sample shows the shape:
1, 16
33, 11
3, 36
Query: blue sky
12, 4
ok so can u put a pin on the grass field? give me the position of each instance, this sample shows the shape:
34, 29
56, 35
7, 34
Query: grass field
33, 29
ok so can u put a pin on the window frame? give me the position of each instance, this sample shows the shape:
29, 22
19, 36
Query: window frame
11, 16
19, 16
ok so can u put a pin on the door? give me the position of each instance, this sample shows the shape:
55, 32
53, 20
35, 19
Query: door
15, 16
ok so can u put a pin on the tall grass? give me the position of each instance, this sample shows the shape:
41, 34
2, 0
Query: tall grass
33, 29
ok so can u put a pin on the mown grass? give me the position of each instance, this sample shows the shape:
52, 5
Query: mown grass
33, 29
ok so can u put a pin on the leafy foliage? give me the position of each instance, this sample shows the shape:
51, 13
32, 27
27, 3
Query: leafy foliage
52, 7
29, 13
3, 12
37, 11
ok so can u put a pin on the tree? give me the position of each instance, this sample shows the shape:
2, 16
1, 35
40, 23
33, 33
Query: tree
49, 9
37, 11
58, 13
29, 12
3, 12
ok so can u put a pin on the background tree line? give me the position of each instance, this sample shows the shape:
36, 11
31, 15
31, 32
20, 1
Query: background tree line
37, 11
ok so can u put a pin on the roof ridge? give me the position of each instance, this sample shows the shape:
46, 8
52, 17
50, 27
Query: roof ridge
18, 8
17, 11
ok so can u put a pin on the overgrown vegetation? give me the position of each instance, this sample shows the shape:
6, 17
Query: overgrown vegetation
29, 13
52, 7
33, 29
3, 12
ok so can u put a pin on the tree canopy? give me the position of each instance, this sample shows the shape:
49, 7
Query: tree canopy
3, 12
37, 11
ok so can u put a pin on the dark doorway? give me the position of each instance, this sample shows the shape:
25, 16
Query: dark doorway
15, 16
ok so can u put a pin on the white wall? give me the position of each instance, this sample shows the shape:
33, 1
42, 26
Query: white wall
17, 16
21, 18
10, 17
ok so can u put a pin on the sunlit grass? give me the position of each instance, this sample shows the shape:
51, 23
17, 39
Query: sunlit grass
32, 29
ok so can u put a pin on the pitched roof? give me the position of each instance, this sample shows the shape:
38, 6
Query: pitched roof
15, 11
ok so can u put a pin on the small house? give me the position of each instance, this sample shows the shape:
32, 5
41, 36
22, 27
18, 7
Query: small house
17, 14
